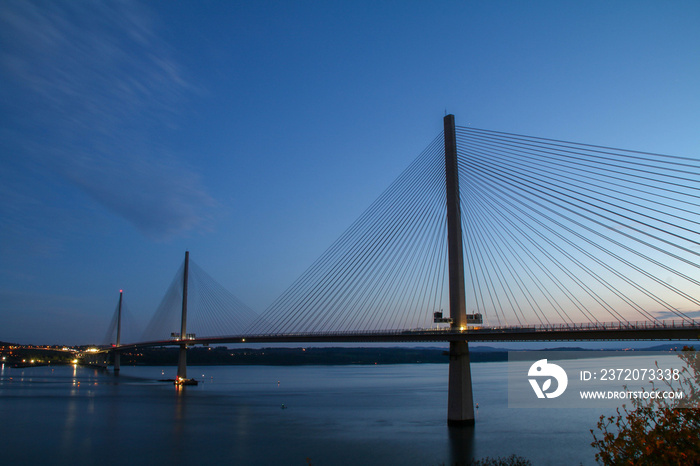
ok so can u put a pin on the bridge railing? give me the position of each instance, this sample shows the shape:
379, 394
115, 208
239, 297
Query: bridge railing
593, 326
637, 325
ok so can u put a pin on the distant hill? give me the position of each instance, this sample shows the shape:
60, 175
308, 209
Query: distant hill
669, 347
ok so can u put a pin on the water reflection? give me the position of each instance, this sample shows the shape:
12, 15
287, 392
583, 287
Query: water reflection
177, 448
180, 397
461, 444
69, 425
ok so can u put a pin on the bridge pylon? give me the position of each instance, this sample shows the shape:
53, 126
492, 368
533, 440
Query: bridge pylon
117, 354
182, 360
460, 405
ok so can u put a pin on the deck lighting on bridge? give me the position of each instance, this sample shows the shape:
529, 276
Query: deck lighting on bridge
242, 340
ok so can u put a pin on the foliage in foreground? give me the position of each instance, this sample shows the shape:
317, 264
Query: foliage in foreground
655, 431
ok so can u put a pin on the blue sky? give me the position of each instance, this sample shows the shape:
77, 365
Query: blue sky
254, 133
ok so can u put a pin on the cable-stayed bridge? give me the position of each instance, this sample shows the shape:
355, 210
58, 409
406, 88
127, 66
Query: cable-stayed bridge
511, 237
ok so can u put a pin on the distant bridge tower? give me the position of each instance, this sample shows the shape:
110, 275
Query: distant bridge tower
460, 406
117, 354
182, 360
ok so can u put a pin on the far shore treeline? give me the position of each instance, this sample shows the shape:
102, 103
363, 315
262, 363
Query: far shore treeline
22, 355
222, 355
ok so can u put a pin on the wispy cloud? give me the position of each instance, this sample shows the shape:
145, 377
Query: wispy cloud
670, 315
99, 92
154, 195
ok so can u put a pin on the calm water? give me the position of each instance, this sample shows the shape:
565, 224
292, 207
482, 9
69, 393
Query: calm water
334, 415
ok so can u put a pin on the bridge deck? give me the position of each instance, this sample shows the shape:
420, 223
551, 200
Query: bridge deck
586, 332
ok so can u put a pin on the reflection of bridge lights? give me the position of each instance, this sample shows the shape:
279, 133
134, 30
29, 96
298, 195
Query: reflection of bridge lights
181, 381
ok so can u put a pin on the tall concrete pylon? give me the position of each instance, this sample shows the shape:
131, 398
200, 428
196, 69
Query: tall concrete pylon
117, 354
460, 404
182, 360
